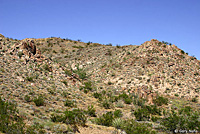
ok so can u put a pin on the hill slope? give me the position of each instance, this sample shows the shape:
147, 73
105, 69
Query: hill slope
69, 74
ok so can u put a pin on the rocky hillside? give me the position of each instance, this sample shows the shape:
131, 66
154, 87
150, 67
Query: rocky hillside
46, 78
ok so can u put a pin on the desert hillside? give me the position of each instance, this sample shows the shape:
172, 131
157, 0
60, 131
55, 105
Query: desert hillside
66, 86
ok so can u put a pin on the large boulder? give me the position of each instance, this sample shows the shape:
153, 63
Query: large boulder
29, 46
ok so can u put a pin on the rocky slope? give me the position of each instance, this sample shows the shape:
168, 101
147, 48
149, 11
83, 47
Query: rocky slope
60, 69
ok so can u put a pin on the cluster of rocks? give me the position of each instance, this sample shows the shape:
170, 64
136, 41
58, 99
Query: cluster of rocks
27, 50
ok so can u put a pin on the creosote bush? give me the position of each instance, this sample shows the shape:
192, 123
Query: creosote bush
182, 120
68, 72
127, 99
88, 85
129, 126
105, 119
91, 111
81, 73
74, 117
65, 82
70, 103
98, 96
143, 113
27, 98
39, 101
9, 121
29, 78
133, 127
159, 101
194, 99
12, 123
106, 104
118, 113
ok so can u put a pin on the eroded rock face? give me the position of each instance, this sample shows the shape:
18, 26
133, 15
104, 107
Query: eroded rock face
26, 50
29, 46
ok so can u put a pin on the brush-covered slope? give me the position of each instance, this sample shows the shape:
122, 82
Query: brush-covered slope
49, 78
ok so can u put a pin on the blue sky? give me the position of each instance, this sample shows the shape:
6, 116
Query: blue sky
120, 22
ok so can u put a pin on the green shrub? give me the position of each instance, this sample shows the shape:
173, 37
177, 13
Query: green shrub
50, 44
109, 44
106, 104
79, 47
97, 96
118, 46
132, 127
139, 102
88, 85
68, 72
123, 96
85, 91
81, 73
182, 52
182, 121
194, 99
74, 117
65, 82
103, 92
128, 100
153, 109
12, 123
120, 104
39, 101
51, 91
29, 79
154, 118
171, 122
176, 95
109, 83
57, 118
9, 121
118, 113
70, 103
111, 98
54, 51
185, 110
109, 52
159, 101
105, 119
128, 53
27, 98
142, 114
35, 129
88, 43
62, 50
91, 111
165, 42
